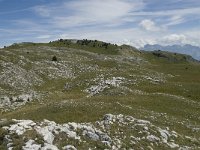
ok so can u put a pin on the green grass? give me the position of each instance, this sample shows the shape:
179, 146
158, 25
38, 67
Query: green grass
181, 81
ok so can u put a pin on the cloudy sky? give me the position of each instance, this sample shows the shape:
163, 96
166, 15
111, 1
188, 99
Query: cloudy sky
135, 22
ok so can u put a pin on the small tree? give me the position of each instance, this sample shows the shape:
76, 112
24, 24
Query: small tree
61, 40
54, 58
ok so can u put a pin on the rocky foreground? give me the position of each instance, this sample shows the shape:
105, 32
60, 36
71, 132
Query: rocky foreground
112, 132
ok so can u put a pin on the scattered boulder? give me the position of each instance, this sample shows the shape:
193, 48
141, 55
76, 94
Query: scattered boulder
122, 128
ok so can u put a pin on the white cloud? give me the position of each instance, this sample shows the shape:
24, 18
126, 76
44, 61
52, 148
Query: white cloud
174, 39
105, 10
140, 42
149, 25
175, 20
193, 36
44, 37
170, 39
42, 11
15, 11
90, 12
182, 12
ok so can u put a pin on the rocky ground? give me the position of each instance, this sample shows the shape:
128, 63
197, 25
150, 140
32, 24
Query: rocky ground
53, 104
111, 132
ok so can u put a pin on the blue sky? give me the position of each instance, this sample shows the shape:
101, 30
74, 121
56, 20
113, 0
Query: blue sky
135, 22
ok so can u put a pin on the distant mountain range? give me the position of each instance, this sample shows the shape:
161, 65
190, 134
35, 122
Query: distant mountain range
188, 49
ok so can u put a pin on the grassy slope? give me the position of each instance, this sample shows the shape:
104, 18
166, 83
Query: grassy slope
175, 103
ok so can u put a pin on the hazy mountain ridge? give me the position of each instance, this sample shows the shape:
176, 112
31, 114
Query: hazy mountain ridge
194, 51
